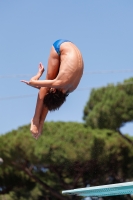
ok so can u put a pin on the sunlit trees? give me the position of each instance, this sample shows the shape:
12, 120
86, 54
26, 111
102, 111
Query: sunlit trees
110, 107
66, 156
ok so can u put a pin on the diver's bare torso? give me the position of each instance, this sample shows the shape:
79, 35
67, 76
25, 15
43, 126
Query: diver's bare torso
71, 67
66, 68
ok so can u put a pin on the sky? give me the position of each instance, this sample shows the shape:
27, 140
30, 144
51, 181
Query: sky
102, 30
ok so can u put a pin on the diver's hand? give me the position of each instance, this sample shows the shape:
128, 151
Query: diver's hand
26, 82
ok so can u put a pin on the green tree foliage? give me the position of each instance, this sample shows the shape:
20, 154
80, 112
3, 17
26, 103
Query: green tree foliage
66, 156
110, 107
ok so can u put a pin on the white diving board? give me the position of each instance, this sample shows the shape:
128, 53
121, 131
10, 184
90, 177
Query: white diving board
104, 190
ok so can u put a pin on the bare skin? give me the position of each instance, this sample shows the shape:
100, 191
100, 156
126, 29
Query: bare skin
63, 72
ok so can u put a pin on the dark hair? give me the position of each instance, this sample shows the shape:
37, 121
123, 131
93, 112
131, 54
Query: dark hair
54, 99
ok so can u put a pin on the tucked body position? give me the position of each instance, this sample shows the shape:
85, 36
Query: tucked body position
64, 72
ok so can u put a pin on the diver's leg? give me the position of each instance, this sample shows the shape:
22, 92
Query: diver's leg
42, 119
52, 72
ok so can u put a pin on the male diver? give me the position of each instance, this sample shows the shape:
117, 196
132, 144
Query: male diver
64, 71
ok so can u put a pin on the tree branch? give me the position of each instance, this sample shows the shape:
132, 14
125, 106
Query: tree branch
45, 186
126, 138
58, 173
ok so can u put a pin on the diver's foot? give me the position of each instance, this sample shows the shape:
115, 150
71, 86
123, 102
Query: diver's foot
34, 128
40, 129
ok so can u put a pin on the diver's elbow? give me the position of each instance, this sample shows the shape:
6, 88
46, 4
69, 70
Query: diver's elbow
59, 83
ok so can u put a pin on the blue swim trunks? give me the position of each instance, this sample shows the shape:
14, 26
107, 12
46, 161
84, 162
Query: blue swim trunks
57, 45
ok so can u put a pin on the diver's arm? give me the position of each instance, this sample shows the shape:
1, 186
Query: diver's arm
47, 83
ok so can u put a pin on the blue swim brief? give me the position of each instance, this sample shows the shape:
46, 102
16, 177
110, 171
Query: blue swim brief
57, 45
